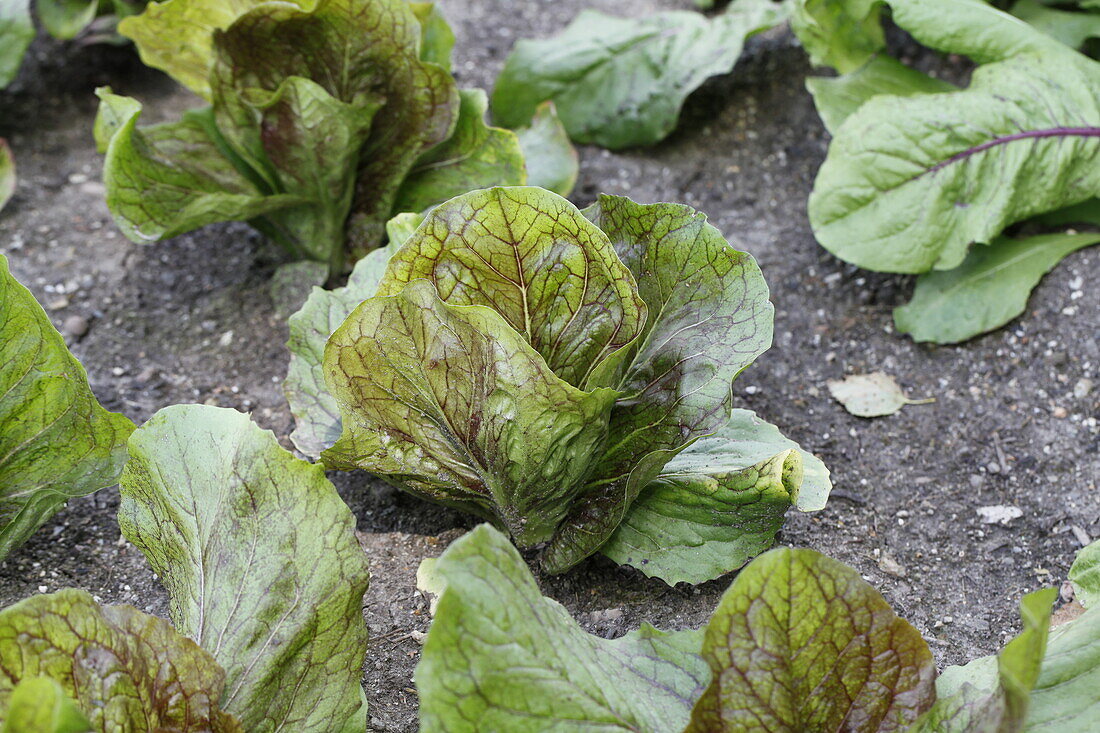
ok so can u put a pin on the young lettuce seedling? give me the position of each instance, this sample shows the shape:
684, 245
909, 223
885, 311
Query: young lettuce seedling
552, 370
325, 119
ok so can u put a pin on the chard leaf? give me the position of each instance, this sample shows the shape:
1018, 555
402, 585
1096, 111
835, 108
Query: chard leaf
7, 173
551, 159
1024, 139
437, 40
316, 414
619, 82
40, 705
695, 526
987, 290
125, 670
451, 404
837, 98
475, 156
1065, 698
991, 695
533, 258
57, 442
710, 318
843, 34
801, 642
16, 34
1072, 29
499, 656
261, 564
176, 36
65, 19
1085, 575
718, 503
168, 179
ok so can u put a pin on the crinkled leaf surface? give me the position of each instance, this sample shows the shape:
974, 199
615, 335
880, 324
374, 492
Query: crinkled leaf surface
316, 414
40, 705
7, 173
697, 525
532, 257
65, 19
800, 642
837, 98
261, 563
126, 670
550, 158
16, 34
1022, 140
709, 318
476, 155
501, 657
843, 34
57, 442
718, 503
1085, 575
619, 82
450, 403
168, 179
987, 290
176, 36
992, 694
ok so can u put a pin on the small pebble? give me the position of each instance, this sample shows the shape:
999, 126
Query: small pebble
76, 326
1060, 412
1082, 388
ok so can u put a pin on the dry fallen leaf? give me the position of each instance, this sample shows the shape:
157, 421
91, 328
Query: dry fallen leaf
870, 395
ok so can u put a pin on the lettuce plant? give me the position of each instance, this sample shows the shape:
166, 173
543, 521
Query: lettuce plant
326, 117
7, 173
57, 442
799, 642
923, 176
265, 578
619, 82
552, 370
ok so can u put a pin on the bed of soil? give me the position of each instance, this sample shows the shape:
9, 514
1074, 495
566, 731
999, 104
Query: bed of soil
1014, 420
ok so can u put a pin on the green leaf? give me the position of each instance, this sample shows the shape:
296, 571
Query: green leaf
1072, 29
316, 414
261, 563
437, 40
7, 173
993, 696
1024, 139
837, 98
125, 670
451, 404
475, 156
693, 526
1085, 575
40, 705
65, 19
501, 657
176, 36
987, 290
168, 179
16, 34
619, 82
843, 34
1065, 698
801, 642
709, 319
533, 258
718, 503
58, 442
551, 159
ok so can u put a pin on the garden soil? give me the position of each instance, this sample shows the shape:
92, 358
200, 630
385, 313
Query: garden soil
1013, 423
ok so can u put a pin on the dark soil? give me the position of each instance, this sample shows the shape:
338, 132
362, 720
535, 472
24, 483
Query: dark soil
192, 320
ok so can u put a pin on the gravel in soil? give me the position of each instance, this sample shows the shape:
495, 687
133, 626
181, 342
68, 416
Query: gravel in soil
1014, 422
